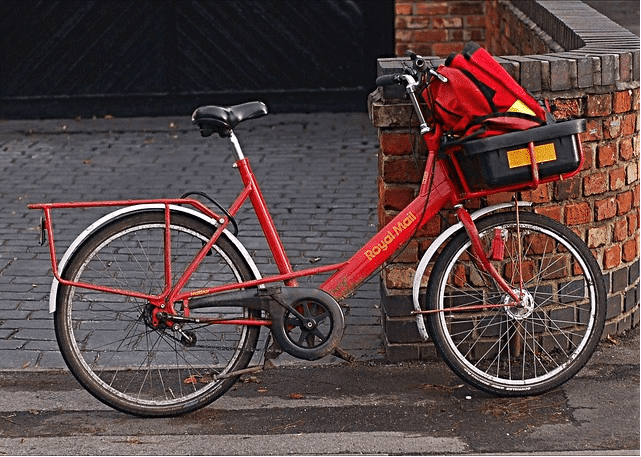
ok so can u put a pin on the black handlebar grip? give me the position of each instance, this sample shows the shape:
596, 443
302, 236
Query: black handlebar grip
388, 80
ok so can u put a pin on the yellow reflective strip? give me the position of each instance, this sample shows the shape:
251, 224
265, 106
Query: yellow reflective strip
521, 157
520, 107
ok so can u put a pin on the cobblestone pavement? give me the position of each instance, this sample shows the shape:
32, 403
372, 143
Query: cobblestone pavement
317, 172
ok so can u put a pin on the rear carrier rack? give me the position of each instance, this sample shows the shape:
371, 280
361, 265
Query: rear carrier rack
518, 160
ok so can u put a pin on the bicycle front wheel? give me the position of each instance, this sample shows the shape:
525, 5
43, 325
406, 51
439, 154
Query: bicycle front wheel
112, 343
540, 343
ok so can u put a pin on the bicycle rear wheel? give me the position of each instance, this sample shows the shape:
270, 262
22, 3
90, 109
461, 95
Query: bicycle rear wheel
111, 342
537, 345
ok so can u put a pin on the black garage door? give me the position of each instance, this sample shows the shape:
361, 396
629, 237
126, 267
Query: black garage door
135, 57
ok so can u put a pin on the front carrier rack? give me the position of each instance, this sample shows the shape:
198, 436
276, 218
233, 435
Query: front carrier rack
518, 160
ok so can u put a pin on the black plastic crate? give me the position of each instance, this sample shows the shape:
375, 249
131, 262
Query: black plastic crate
504, 160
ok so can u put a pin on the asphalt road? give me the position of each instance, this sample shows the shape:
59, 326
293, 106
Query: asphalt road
366, 408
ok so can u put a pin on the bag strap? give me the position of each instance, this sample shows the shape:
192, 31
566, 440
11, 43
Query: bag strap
481, 119
481, 123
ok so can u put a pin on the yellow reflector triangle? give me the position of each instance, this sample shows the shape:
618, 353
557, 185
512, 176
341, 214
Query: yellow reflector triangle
520, 107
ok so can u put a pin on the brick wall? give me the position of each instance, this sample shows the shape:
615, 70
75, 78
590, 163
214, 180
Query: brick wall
595, 82
437, 28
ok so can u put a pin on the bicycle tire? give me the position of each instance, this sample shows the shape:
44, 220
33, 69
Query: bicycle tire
110, 342
522, 350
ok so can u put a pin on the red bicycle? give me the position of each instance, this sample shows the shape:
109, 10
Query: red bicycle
158, 306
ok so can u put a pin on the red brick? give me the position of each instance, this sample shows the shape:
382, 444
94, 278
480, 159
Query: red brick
567, 108
401, 171
416, 22
620, 232
605, 209
597, 236
599, 105
445, 49
593, 131
400, 22
538, 244
626, 150
633, 223
399, 277
566, 189
624, 203
432, 228
553, 212
539, 195
467, 7
617, 178
431, 8
395, 143
404, 36
589, 151
635, 99
473, 203
396, 198
502, 197
431, 35
629, 124
409, 253
622, 101
596, 183
578, 213
612, 127
632, 173
440, 22
630, 250
477, 35
402, 8
474, 21
612, 257
606, 154
456, 34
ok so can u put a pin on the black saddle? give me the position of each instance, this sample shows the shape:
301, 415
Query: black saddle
222, 120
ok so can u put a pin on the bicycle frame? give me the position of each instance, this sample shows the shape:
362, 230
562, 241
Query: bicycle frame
347, 277
437, 190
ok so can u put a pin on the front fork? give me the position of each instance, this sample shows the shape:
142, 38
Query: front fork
481, 258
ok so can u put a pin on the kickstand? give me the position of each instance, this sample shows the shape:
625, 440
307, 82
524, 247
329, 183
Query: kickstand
343, 354
271, 353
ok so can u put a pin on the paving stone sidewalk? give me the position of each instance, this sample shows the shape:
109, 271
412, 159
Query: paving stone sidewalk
317, 172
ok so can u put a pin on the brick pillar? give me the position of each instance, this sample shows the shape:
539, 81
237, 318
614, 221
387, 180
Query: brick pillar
601, 204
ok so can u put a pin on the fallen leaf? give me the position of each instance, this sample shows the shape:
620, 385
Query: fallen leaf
296, 396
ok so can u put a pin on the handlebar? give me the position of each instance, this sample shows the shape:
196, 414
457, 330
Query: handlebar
389, 80
410, 76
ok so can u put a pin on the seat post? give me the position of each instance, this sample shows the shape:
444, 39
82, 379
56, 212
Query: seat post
238, 152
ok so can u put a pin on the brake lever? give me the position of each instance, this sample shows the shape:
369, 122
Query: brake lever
433, 72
